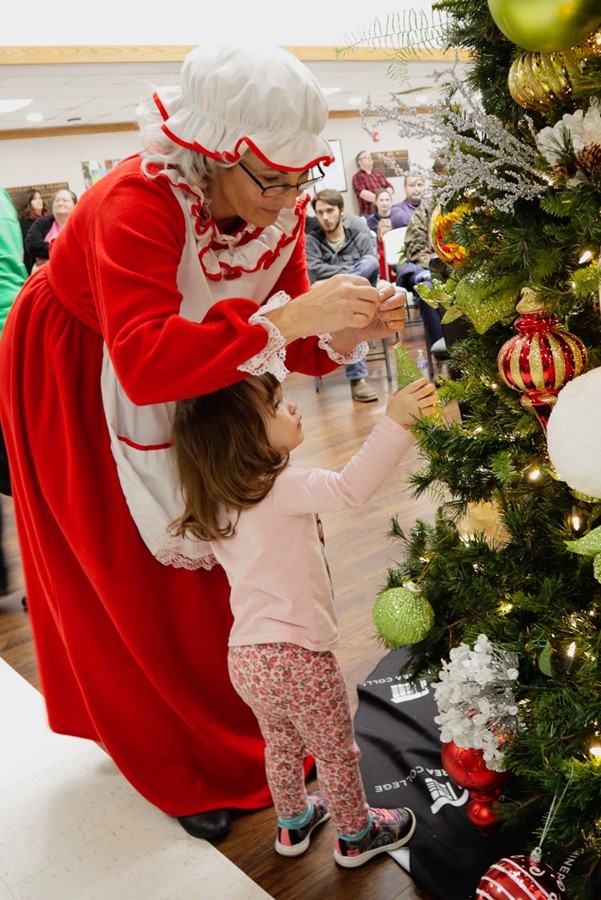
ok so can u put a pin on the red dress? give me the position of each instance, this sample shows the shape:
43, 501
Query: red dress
131, 653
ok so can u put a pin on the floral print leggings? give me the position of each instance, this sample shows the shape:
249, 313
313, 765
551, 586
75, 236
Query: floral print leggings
301, 703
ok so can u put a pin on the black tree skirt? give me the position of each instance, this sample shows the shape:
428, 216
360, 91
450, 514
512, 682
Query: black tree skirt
401, 766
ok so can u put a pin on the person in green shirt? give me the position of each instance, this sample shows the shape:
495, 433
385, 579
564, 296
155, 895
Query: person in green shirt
12, 275
12, 269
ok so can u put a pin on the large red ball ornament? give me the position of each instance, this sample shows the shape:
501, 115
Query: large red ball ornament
467, 768
519, 878
540, 359
546, 25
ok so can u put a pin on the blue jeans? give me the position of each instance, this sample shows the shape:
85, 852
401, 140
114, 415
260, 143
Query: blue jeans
409, 275
368, 267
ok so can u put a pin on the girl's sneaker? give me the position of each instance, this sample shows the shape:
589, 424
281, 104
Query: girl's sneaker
294, 841
389, 829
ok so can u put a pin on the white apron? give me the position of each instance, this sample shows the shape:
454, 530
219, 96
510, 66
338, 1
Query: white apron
140, 435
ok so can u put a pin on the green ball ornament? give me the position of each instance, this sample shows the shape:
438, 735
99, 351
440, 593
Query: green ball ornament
402, 615
546, 25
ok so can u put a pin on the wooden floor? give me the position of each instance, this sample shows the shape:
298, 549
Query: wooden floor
359, 554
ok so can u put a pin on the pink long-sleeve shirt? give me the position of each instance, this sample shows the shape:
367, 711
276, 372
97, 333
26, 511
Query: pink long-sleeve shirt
280, 585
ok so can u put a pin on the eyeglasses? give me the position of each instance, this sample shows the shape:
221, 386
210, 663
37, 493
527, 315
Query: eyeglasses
276, 190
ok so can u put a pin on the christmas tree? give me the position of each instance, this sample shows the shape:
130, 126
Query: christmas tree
513, 554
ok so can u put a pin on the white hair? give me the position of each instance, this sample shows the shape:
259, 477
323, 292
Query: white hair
195, 168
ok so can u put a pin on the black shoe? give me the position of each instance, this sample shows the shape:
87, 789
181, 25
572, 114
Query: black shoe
208, 825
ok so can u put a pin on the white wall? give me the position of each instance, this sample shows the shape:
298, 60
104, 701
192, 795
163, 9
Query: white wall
189, 22
51, 159
354, 139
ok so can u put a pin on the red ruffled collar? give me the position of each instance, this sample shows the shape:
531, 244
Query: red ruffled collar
251, 248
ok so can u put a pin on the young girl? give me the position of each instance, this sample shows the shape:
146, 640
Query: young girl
259, 510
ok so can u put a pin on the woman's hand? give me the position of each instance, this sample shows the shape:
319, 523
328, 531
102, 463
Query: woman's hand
389, 318
391, 309
338, 304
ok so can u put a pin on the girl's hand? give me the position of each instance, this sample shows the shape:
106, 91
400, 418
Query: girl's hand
417, 398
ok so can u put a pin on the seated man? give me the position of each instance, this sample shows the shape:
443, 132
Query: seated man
414, 190
348, 219
336, 248
422, 262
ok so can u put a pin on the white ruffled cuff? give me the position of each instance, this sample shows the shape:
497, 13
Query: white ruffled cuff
272, 356
356, 354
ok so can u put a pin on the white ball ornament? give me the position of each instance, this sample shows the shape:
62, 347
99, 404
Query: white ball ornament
574, 434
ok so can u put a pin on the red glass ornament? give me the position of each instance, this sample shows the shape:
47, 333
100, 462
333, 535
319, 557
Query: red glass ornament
467, 768
540, 359
482, 815
519, 878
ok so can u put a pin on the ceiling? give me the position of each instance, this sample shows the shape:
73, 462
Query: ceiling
70, 95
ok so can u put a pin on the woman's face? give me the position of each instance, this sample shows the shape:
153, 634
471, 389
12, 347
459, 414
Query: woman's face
37, 204
383, 204
234, 195
63, 203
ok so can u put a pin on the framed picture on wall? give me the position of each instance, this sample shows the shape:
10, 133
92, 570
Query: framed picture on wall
335, 177
17, 194
94, 169
391, 162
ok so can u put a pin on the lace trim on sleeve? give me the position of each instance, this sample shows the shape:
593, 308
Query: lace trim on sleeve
356, 355
272, 356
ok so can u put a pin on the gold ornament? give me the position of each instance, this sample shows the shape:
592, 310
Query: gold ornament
540, 80
482, 518
452, 253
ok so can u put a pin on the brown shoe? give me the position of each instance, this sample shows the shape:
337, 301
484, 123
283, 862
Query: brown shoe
362, 392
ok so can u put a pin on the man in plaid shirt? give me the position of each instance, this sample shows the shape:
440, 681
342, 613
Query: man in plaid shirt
367, 183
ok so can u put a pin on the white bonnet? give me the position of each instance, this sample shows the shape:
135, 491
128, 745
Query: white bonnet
235, 98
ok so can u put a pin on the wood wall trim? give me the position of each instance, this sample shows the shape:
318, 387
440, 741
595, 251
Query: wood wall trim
63, 55
17, 134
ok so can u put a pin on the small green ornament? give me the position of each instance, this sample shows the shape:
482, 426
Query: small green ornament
406, 370
402, 615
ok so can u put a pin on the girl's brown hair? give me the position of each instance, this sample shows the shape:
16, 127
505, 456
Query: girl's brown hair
223, 457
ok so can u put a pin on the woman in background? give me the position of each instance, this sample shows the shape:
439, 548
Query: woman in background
31, 208
46, 229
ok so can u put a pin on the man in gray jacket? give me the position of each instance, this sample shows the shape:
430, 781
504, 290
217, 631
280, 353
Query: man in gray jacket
337, 247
